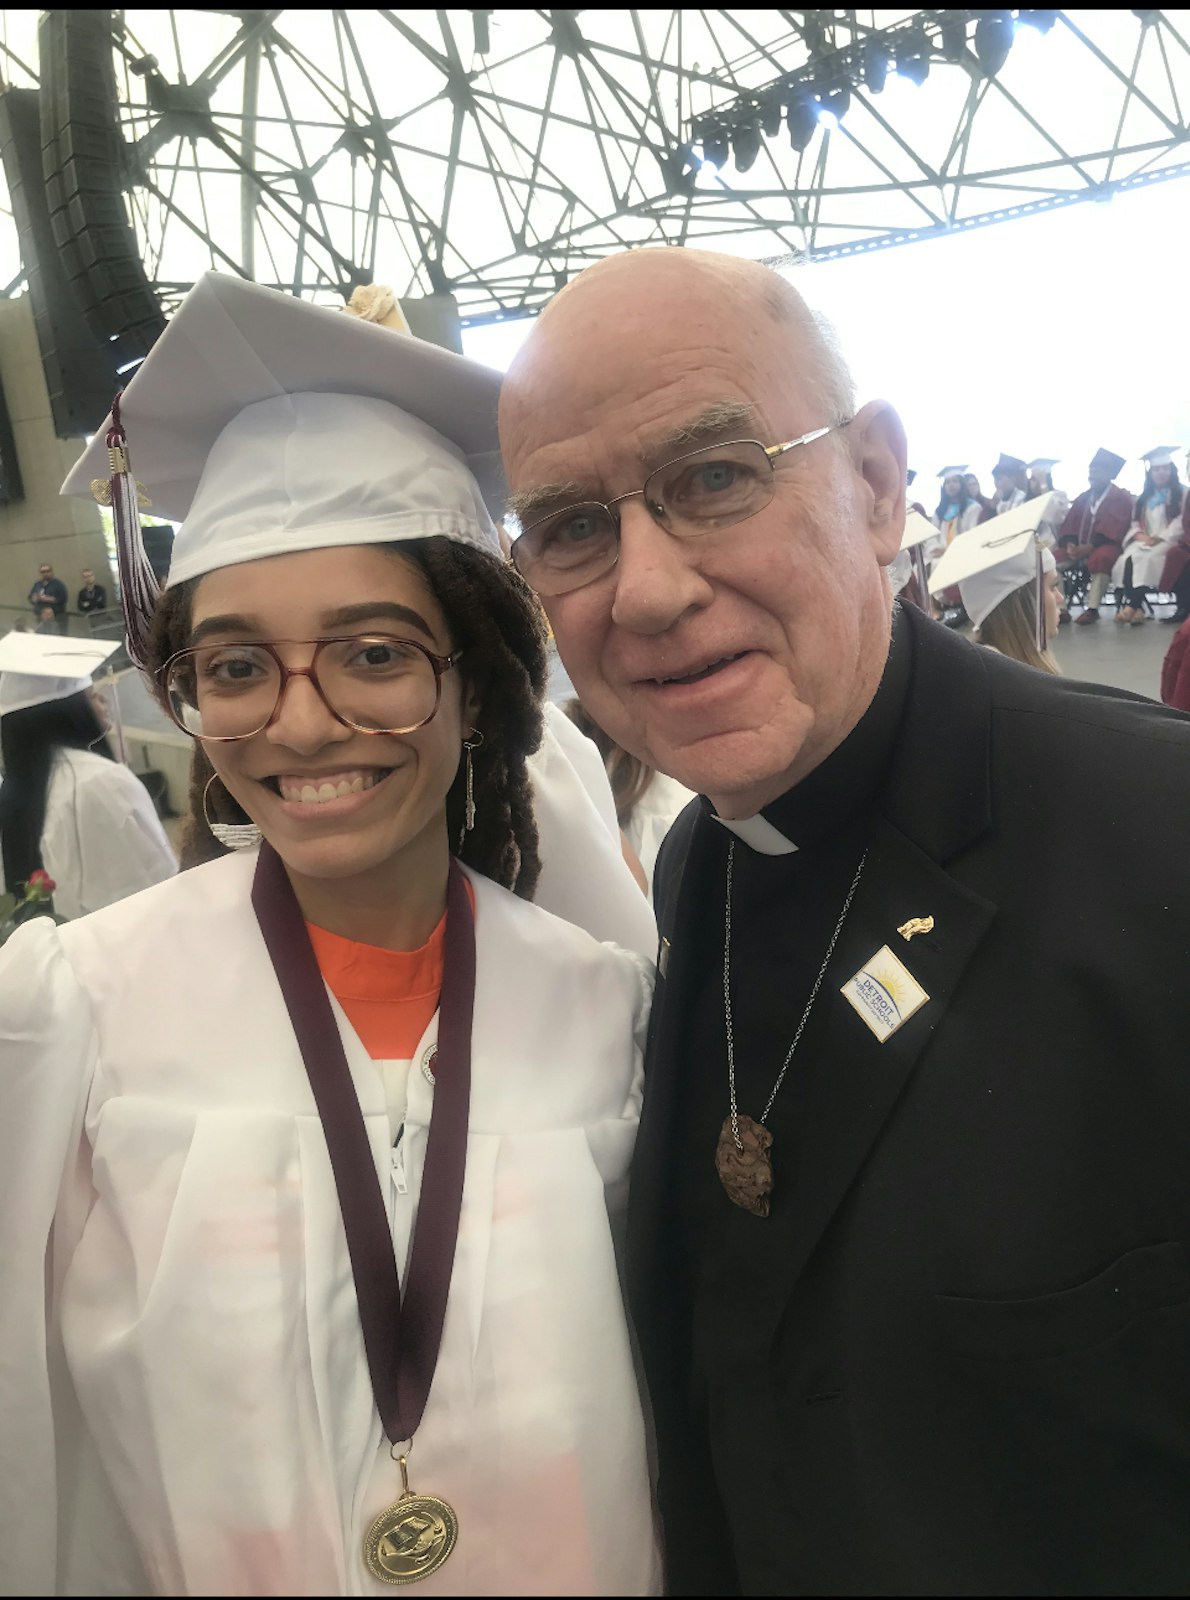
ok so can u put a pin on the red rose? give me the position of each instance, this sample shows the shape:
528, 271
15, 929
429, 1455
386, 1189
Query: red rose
42, 882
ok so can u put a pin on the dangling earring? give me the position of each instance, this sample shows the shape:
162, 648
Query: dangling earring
235, 835
472, 742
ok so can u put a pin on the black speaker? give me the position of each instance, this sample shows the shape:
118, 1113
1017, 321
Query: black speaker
80, 371
85, 163
11, 485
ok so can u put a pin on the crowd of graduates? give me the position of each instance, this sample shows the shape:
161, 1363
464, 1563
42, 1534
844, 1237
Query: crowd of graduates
1106, 545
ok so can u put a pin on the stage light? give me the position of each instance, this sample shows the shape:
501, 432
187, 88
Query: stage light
770, 116
714, 146
913, 56
954, 37
745, 144
1043, 21
802, 118
993, 40
876, 65
838, 101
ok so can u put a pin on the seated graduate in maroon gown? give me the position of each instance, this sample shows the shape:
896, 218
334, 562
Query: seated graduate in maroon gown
1096, 526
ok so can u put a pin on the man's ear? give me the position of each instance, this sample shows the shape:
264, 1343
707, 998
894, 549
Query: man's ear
880, 454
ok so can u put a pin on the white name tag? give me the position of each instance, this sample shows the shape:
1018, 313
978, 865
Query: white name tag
884, 993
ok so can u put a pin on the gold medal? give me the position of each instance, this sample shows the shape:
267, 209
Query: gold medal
412, 1538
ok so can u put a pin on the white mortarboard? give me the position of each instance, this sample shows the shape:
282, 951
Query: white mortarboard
1162, 456
36, 668
993, 561
917, 530
1044, 464
265, 425
910, 558
953, 472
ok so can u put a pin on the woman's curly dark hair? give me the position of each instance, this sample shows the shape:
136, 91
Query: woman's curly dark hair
495, 619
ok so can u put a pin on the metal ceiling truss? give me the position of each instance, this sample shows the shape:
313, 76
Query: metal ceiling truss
492, 154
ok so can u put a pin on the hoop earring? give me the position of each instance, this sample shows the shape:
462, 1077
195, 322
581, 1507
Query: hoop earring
472, 742
235, 835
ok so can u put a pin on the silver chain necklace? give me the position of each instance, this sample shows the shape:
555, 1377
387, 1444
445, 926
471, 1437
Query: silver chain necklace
742, 1157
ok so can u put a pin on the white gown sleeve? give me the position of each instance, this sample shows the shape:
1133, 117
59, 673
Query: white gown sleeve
583, 876
47, 1057
103, 839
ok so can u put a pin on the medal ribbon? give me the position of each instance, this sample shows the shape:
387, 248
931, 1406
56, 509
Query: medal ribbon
401, 1341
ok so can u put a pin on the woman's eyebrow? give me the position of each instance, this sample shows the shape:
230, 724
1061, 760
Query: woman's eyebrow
341, 617
368, 610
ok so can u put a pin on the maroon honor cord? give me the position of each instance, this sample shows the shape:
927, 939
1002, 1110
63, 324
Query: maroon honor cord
401, 1341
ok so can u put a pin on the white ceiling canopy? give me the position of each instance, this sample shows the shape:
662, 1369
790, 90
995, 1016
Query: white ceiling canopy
491, 154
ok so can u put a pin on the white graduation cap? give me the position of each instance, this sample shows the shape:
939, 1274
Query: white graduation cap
917, 530
1162, 456
1044, 464
910, 558
953, 472
993, 561
265, 424
36, 668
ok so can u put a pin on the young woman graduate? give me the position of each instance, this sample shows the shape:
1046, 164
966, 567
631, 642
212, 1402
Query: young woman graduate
310, 1158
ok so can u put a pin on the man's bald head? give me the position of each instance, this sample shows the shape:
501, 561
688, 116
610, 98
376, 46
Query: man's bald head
649, 290
734, 654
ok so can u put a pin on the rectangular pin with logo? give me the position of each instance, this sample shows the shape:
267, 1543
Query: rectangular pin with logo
885, 993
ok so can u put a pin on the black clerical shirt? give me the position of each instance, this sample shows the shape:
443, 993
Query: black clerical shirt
784, 910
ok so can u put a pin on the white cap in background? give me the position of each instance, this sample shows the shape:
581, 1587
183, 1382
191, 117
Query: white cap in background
37, 668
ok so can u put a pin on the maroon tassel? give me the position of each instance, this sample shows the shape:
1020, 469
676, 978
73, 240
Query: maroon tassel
139, 588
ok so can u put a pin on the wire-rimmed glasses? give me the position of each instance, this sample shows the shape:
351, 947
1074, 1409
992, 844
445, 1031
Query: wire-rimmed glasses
374, 683
694, 494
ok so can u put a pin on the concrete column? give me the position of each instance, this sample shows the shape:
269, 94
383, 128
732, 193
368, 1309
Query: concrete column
43, 526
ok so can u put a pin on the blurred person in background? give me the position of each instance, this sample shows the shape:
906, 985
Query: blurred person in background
92, 596
1155, 531
957, 511
986, 506
48, 591
1008, 475
646, 800
48, 621
1175, 578
66, 805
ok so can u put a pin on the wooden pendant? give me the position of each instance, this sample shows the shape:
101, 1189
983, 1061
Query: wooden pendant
747, 1174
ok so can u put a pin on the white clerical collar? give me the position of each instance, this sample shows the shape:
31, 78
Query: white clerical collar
759, 835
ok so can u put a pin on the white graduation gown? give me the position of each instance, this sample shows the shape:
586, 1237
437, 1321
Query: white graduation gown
1148, 562
102, 838
185, 1405
583, 875
653, 816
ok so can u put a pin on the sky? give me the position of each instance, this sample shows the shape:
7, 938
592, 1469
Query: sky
1045, 336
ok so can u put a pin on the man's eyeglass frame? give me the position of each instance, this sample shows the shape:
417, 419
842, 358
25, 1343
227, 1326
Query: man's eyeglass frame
655, 508
440, 665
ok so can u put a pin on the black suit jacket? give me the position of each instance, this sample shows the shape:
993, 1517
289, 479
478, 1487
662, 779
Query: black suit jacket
970, 1372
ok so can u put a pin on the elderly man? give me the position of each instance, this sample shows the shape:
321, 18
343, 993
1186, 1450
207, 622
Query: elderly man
907, 1240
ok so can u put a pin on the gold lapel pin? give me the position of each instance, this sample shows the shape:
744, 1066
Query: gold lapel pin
915, 925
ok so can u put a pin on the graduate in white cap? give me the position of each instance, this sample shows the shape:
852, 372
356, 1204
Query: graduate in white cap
1041, 481
310, 1158
66, 806
1009, 586
1156, 529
